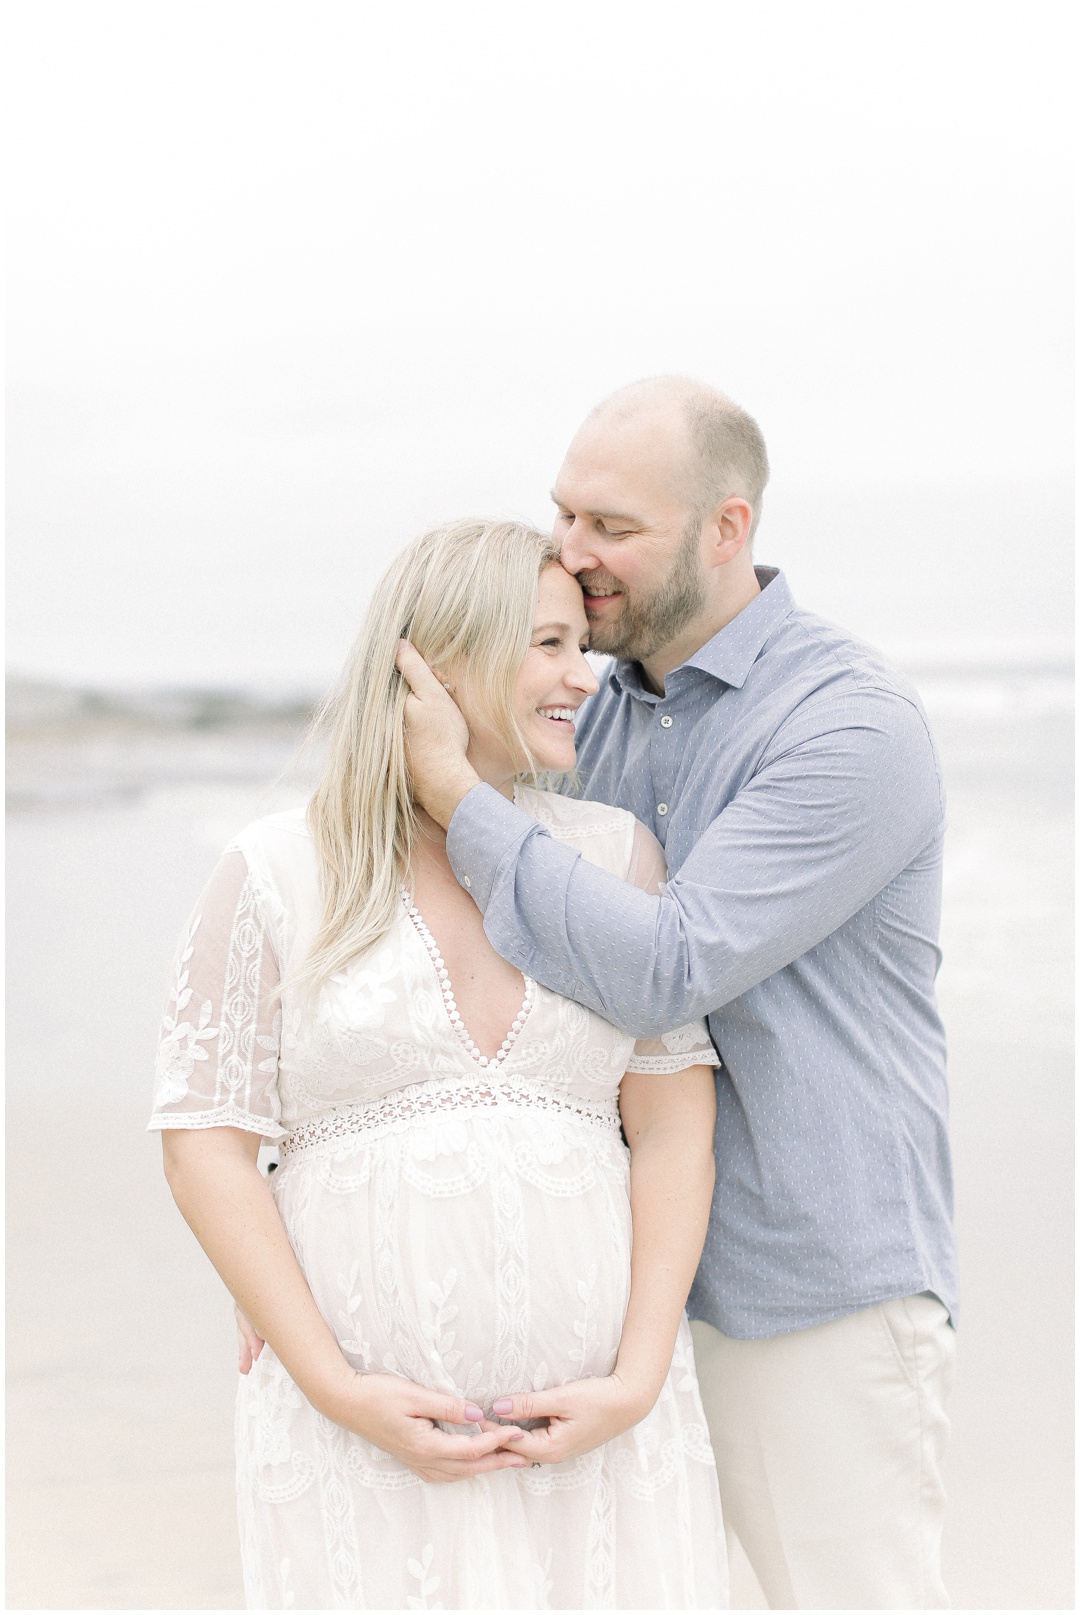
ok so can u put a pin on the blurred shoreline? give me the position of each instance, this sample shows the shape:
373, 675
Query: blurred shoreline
70, 746
73, 746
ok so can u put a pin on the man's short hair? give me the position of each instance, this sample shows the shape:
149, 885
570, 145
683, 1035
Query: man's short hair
730, 451
727, 449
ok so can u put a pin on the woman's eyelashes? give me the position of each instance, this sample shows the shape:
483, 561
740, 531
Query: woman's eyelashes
557, 644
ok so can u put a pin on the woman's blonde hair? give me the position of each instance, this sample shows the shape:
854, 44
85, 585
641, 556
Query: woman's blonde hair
465, 595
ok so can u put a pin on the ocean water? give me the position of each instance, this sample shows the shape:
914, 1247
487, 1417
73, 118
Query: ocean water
120, 1356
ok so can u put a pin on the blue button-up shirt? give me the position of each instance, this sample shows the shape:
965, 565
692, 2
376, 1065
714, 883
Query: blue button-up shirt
791, 777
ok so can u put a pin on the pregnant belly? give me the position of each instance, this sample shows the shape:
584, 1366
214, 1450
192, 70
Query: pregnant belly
481, 1256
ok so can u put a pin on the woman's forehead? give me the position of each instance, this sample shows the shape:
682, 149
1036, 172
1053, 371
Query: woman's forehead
558, 596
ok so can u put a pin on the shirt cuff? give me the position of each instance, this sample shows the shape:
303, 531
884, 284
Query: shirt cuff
484, 831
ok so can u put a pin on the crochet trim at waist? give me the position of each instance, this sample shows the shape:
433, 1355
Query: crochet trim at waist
443, 1099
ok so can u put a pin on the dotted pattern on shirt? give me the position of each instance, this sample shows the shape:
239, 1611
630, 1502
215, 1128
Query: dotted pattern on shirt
803, 826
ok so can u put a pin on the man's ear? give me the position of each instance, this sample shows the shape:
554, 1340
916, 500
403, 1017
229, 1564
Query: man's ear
727, 530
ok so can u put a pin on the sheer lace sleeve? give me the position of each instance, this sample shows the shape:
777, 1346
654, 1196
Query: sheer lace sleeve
217, 1063
686, 1045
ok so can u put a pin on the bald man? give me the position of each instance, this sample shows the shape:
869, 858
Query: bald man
790, 776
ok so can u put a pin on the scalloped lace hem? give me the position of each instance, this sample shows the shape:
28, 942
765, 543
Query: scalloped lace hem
433, 1101
224, 1116
665, 1065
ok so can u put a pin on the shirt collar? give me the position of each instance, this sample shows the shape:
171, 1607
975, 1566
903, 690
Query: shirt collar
730, 654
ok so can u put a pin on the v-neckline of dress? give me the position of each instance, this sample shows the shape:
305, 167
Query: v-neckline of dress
484, 1062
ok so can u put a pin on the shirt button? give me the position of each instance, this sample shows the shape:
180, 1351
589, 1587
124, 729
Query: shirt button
662, 809
467, 883
666, 721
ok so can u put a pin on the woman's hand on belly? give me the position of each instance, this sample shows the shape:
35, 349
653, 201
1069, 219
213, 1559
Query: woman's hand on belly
669, 1127
581, 1416
402, 1419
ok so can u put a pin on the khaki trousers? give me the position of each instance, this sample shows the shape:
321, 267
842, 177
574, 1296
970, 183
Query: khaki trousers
829, 1444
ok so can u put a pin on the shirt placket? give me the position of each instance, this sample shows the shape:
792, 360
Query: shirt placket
664, 743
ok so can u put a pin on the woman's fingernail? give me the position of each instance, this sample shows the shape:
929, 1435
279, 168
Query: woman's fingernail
519, 1463
515, 1435
473, 1413
502, 1406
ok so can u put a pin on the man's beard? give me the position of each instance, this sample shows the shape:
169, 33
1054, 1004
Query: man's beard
650, 622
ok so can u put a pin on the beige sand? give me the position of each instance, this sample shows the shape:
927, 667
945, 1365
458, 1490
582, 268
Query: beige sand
119, 1347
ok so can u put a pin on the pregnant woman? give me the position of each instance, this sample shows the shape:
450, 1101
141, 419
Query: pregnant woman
456, 1221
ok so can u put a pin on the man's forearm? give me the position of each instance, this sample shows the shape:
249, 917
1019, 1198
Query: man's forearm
789, 860
584, 934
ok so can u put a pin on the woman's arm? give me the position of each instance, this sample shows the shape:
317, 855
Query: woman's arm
669, 1123
216, 1182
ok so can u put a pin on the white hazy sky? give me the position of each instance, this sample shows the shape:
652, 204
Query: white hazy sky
290, 281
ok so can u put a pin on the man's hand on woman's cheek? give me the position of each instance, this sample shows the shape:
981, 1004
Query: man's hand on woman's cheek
436, 739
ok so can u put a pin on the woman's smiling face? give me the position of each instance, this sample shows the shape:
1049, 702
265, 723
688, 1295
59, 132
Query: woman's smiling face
554, 679
552, 682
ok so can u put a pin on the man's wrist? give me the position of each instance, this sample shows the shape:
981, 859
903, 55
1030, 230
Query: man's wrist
452, 791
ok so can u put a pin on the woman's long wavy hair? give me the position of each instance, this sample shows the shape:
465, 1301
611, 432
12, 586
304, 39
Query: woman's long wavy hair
465, 595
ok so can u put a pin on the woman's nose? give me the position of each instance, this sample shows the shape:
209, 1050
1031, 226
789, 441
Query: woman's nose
583, 678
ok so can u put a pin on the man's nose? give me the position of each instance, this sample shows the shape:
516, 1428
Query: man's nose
576, 552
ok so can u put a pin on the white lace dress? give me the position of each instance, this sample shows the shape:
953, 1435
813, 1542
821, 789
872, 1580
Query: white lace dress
465, 1224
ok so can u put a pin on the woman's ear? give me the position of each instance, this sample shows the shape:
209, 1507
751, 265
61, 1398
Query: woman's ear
445, 677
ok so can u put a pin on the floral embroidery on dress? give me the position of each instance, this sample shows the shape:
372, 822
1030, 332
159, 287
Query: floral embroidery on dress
443, 1338
181, 1041
550, 1142
421, 1570
443, 1138
465, 1228
349, 1339
273, 1444
358, 997
683, 1038
272, 1042
269, 1408
585, 1327
288, 1597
